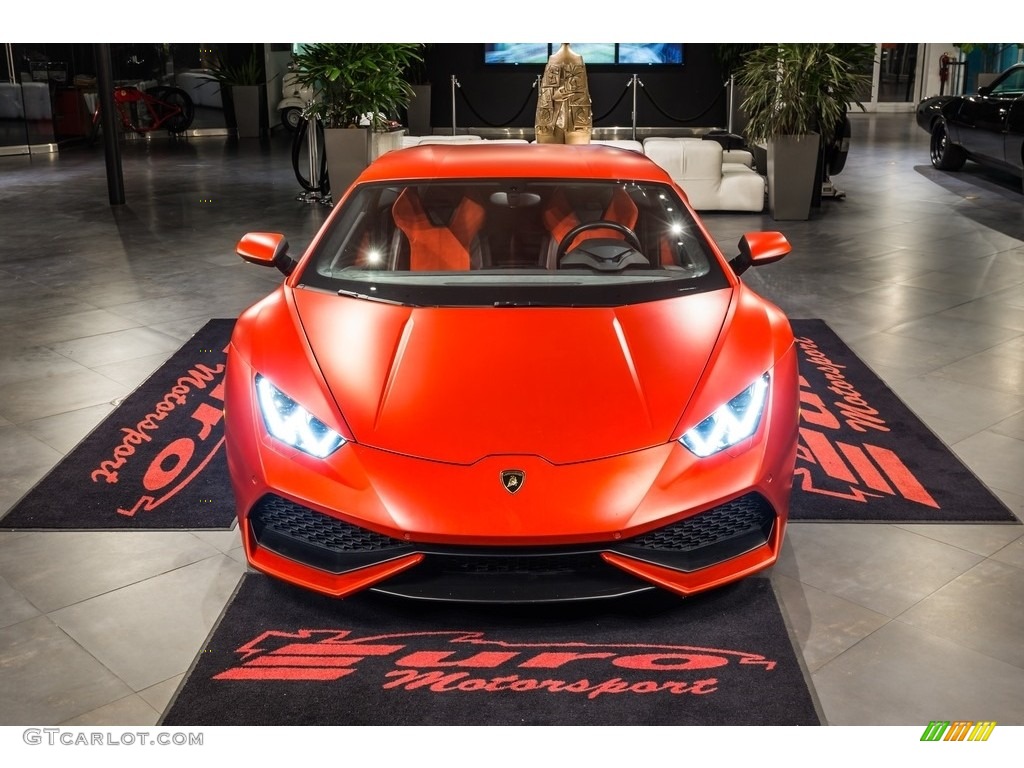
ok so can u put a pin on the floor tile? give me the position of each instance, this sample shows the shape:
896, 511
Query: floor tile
983, 540
66, 430
76, 326
983, 610
998, 460
152, 630
160, 695
14, 608
35, 398
131, 710
1012, 554
882, 568
54, 569
987, 370
953, 330
47, 678
223, 541
955, 410
132, 373
901, 675
824, 625
115, 347
34, 362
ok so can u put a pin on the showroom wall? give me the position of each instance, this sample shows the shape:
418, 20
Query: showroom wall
687, 95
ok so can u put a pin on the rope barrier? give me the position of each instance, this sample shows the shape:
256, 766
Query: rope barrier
489, 124
684, 119
596, 118
599, 118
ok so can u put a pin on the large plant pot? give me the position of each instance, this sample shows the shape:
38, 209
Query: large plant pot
792, 173
247, 110
419, 111
350, 150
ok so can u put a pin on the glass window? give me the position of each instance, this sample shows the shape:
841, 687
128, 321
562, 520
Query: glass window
482, 242
1012, 84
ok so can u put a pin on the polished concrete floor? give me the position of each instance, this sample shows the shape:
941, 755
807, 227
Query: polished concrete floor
921, 272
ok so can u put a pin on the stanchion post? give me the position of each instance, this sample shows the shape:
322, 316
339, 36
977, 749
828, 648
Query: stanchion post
635, 80
732, 96
314, 154
455, 84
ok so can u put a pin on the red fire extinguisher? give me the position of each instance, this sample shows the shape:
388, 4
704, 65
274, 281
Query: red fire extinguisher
944, 61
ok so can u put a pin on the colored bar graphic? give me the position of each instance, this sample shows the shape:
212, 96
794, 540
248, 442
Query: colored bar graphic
958, 730
935, 730
982, 730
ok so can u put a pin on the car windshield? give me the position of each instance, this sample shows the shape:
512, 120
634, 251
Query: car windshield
517, 242
1012, 84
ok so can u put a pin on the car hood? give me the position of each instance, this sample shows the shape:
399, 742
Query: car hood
459, 384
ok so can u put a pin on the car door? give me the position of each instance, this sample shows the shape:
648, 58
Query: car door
1013, 142
984, 118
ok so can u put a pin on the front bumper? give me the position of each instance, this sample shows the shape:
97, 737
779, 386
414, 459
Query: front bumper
280, 530
367, 518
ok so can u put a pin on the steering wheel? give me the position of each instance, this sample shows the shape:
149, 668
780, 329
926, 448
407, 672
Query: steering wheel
565, 242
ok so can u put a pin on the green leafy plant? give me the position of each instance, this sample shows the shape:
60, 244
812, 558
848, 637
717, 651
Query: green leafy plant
800, 88
990, 53
350, 80
729, 55
248, 71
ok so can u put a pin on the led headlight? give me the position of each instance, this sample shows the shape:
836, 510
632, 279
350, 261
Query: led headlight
292, 424
731, 422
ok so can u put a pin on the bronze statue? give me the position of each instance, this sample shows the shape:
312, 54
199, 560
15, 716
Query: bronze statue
563, 104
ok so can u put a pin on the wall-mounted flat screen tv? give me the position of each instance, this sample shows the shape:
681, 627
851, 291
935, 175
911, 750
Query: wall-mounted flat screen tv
630, 54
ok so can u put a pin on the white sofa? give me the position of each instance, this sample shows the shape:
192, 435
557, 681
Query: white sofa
713, 179
465, 138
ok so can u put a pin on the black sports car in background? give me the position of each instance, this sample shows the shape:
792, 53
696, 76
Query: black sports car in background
987, 127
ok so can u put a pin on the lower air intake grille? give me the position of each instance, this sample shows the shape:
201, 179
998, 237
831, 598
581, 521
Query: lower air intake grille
743, 515
315, 528
318, 540
713, 536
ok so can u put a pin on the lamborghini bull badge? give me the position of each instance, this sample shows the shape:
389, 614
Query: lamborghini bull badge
512, 479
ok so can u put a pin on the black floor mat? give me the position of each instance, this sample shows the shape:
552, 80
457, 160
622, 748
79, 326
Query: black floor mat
284, 656
157, 462
865, 456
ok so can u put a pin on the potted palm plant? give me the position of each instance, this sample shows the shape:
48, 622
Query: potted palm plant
358, 88
243, 91
796, 95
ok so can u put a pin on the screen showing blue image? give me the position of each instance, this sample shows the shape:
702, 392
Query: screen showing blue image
516, 53
650, 53
631, 54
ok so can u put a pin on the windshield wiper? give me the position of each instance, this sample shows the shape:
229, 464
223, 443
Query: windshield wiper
368, 297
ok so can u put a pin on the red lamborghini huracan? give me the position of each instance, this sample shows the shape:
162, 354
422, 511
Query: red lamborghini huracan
512, 373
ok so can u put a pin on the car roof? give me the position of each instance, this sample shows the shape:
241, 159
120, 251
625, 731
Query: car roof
460, 161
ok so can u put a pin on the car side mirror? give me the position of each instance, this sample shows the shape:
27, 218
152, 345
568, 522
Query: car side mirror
985, 90
759, 248
268, 249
